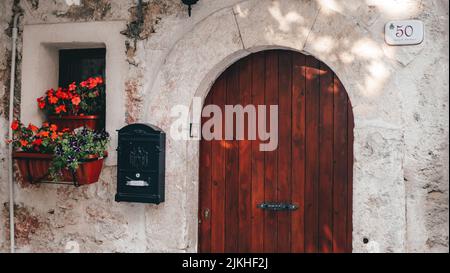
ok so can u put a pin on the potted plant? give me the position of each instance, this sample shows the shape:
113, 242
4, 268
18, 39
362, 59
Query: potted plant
78, 105
67, 156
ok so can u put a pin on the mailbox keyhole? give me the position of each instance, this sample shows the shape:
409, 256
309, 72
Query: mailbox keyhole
138, 175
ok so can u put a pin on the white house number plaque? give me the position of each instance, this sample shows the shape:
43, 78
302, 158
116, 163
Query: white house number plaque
407, 32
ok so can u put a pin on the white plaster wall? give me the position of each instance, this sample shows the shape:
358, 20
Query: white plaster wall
399, 95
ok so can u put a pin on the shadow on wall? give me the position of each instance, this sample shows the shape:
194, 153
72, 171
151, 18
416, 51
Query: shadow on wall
343, 49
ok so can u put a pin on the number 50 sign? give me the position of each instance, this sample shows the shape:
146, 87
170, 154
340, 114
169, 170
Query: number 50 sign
408, 32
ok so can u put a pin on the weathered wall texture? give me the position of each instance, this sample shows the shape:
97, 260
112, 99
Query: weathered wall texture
399, 95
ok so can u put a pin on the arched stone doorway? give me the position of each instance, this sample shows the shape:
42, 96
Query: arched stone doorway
311, 170
220, 38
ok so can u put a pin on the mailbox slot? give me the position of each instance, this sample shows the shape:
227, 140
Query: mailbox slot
141, 164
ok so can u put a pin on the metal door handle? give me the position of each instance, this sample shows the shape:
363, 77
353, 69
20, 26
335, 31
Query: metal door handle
277, 206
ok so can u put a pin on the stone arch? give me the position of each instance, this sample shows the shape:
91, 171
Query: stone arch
353, 53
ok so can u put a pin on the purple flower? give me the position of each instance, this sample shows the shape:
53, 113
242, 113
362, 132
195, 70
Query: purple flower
70, 159
103, 135
76, 149
73, 142
58, 150
84, 132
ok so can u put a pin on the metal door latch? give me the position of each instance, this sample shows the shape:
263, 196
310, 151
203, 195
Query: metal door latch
277, 206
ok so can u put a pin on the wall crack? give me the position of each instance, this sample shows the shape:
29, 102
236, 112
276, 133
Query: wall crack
238, 29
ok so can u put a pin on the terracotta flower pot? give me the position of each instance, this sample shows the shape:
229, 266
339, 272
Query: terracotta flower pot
34, 168
73, 122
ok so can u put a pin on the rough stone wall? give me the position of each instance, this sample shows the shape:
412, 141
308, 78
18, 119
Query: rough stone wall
55, 218
59, 218
6, 8
426, 123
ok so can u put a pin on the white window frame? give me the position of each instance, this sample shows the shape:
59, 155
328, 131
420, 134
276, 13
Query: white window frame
40, 66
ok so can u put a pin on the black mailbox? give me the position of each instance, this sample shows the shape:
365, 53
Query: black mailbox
141, 164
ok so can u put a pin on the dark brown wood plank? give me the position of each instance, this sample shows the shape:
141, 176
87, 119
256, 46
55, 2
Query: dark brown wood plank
284, 149
326, 160
232, 168
245, 161
258, 73
312, 154
298, 153
340, 168
205, 191
271, 158
350, 139
218, 175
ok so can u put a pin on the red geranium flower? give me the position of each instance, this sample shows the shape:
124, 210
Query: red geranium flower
72, 86
53, 100
50, 92
15, 125
41, 102
61, 108
99, 80
76, 100
32, 128
44, 134
92, 83
61, 94
37, 142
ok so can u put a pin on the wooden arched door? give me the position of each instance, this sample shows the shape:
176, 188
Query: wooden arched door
311, 168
